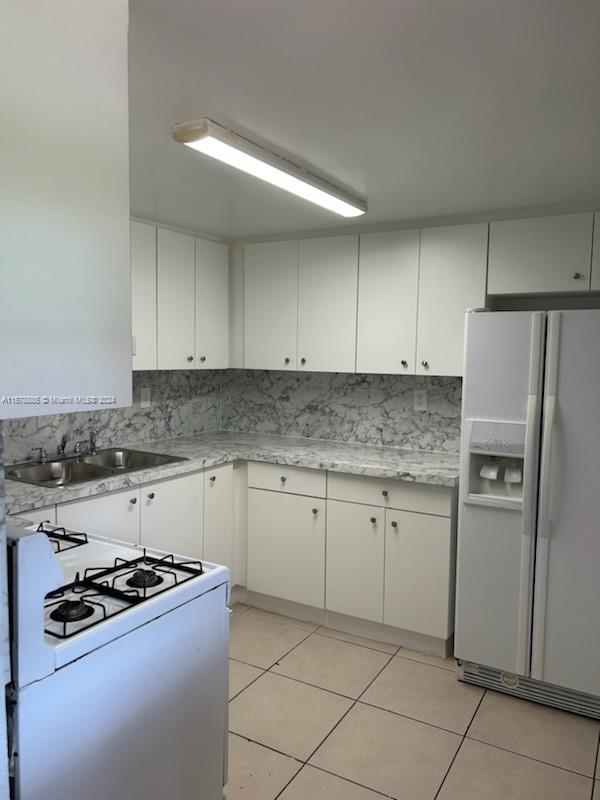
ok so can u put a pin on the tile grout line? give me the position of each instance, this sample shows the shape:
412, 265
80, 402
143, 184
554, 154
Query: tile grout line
458, 749
592, 796
319, 632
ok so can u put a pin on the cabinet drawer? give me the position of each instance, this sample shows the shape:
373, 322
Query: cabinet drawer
420, 497
295, 480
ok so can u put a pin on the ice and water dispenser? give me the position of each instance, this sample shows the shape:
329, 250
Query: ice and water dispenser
496, 460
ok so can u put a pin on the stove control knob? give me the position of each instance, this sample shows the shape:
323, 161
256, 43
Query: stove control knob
133, 500
151, 496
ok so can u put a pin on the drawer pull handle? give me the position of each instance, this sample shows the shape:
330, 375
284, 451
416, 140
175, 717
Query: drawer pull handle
373, 520
133, 500
151, 496
315, 510
385, 492
394, 524
213, 478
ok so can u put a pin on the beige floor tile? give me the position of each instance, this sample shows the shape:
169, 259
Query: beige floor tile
388, 753
261, 642
294, 623
285, 714
435, 661
239, 608
481, 772
425, 693
332, 664
240, 675
360, 640
318, 785
256, 773
557, 737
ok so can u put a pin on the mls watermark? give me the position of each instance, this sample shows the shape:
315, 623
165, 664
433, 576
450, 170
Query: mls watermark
61, 400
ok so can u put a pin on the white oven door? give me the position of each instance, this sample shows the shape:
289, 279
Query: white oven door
141, 717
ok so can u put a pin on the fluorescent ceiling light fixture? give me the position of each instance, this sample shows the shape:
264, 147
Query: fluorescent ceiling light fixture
207, 137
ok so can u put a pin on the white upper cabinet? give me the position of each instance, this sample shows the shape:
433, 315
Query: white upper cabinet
452, 278
212, 305
596, 254
545, 254
327, 294
388, 278
175, 258
65, 310
143, 295
271, 305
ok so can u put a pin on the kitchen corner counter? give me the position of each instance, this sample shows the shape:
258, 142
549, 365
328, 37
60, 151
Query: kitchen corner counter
212, 449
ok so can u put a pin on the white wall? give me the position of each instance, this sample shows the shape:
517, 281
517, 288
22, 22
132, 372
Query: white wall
64, 204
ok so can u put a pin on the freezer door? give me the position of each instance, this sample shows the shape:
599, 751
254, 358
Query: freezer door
501, 391
566, 619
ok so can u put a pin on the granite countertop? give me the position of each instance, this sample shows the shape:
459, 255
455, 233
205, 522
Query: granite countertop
221, 447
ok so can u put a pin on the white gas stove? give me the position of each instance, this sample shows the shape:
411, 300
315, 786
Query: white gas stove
105, 635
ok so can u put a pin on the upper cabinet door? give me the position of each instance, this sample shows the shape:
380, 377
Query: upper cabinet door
452, 277
143, 295
175, 300
596, 254
212, 305
545, 254
271, 305
327, 289
387, 302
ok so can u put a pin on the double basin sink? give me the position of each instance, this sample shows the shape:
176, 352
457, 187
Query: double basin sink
90, 467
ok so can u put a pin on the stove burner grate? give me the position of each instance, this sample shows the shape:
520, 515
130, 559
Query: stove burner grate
60, 539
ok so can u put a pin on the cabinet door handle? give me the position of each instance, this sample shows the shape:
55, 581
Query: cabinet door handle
384, 492
404, 363
283, 479
213, 478
151, 496
133, 500
576, 276
315, 510
373, 520
203, 359
425, 364
287, 360
394, 524
190, 358
303, 361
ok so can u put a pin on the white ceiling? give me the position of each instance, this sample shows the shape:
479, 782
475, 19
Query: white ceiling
423, 107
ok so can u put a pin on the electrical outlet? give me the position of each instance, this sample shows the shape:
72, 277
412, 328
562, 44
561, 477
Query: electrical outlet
420, 400
145, 397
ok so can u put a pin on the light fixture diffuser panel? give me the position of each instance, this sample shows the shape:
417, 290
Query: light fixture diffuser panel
228, 147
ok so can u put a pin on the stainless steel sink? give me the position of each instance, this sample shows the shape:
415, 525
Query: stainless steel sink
77, 469
127, 460
57, 473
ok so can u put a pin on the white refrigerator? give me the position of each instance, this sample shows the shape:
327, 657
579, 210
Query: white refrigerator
528, 571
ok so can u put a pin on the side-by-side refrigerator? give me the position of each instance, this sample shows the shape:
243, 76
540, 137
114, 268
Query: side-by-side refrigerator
528, 571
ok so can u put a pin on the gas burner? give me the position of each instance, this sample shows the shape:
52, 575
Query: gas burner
144, 579
71, 611
60, 539
115, 589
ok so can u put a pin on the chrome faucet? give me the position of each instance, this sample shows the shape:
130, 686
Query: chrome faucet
43, 455
60, 449
91, 444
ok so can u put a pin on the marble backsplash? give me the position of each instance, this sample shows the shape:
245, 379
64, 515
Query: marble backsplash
369, 409
183, 403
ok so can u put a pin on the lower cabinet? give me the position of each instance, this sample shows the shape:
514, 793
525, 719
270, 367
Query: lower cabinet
286, 546
355, 556
116, 515
46, 514
219, 539
419, 573
171, 515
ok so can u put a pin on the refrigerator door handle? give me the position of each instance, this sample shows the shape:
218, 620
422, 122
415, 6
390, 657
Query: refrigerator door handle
544, 526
